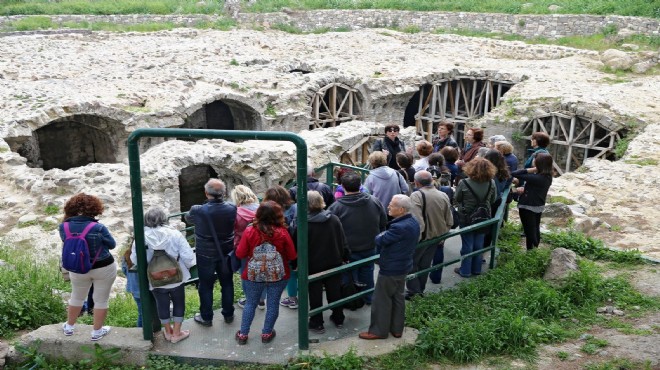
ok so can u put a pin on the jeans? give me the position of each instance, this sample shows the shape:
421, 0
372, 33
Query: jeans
292, 286
210, 268
163, 298
531, 223
253, 291
438, 258
471, 242
240, 272
365, 273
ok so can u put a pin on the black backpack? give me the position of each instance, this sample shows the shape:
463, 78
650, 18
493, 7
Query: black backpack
481, 212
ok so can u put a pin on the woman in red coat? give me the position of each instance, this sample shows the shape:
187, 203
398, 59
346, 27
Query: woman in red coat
268, 230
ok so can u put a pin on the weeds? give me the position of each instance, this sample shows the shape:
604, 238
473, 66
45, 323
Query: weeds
52, 209
561, 199
270, 110
593, 345
591, 248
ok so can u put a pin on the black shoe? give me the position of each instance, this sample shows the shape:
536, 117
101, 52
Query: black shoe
198, 319
229, 319
317, 329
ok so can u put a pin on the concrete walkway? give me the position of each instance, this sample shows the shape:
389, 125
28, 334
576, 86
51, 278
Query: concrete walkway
216, 344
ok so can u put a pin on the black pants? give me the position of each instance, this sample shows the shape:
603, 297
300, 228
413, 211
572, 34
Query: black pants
163, 298
531, 223
333, 293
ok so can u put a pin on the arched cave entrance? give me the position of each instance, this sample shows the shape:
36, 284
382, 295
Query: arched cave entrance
456, 100
333, 104
191, 185
73, 142
224, 114
573, 139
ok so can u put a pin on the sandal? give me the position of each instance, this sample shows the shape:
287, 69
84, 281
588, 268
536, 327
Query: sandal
168, 336
182, 335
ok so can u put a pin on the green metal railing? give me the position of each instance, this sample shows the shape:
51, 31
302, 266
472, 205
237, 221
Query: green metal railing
148, 307
494, 224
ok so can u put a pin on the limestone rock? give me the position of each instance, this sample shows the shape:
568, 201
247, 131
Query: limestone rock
554, 8
563, 262
588, 199
632, 47
586, 224
643, 67
557, 210
616, 59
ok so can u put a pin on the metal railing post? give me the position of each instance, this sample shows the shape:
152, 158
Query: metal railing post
148, 308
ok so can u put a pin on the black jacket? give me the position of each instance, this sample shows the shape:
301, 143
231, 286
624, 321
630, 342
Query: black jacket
536, 188
326, 242
223, 217
363, 217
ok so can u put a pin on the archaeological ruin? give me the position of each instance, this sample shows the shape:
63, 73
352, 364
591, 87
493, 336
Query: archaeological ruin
69, 100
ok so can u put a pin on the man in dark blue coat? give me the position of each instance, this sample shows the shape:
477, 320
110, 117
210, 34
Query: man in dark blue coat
214, 240
396, 246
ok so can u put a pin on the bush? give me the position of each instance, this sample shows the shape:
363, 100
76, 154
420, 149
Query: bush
29, 295
590, 248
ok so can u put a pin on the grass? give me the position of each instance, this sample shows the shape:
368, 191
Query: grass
41, 22
643, 162
508, 312
591, 248
561, 199
598, 7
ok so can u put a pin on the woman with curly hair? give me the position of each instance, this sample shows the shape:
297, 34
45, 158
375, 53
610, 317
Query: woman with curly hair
80, 213
480, 173
268, 226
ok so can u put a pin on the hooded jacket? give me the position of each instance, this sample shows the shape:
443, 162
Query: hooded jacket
397, 245
363, 217
326, 242
173, 243
383, 183
244, 216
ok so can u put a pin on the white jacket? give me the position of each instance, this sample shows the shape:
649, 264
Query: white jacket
174, 244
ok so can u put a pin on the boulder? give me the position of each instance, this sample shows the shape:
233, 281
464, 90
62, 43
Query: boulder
557, 210
586, 224
563, 262
616, 59
642, 67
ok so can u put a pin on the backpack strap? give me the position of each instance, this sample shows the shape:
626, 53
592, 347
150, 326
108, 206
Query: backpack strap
426, 222
215, 239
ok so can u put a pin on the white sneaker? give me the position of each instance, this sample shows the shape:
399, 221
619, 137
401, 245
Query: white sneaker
97, 335
68, 330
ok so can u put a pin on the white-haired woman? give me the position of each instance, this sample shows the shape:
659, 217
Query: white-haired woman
158, 235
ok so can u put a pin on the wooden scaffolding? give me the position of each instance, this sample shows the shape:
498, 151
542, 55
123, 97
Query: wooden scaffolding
358, 154
333, 104
457, 100
573, 139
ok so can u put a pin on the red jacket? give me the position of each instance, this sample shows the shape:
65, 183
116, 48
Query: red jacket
252, 237
244, 217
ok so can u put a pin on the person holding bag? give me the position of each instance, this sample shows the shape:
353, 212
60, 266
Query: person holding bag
269, 249
158, 236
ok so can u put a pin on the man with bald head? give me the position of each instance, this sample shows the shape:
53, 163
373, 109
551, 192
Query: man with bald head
432, 209
214, 240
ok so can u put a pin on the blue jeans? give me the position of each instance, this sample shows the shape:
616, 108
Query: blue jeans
163, 298
364, 274
210, 269
253, 292
240, 272
471, 242
438, 258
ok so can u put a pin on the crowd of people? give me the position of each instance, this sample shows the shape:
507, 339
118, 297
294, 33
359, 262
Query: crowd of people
401, 203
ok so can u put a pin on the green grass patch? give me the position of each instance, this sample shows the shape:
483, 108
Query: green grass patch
28, 297
643, 162
561, 199
288, 28
100, 7
32, 23
593, 345
52, 209
591, 248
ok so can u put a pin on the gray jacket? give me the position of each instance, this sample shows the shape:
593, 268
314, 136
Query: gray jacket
384, 182
363, 217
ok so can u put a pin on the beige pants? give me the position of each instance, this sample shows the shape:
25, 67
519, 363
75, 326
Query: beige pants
102, 278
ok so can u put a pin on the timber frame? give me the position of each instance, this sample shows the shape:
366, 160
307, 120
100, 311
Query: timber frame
333, 104
358, 154
457, 100
573, 139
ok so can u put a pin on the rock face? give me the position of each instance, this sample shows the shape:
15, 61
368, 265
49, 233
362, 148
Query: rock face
616, 59
562, 264
266, 81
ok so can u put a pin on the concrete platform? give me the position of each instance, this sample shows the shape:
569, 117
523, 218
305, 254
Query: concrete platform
216, 344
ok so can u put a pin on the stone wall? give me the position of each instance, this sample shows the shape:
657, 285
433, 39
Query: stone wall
527, 25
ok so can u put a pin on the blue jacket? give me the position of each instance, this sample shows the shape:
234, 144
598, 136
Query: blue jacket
396, 246
223, 217
98, 237
532, 154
